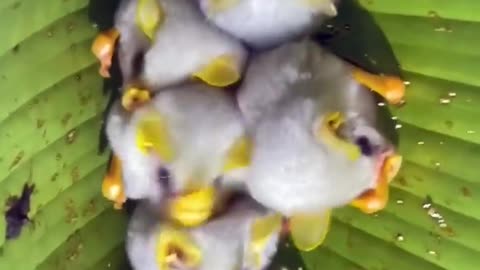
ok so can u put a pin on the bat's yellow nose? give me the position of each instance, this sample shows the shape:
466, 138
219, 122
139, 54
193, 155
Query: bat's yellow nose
194, 208
176, 247
376, 199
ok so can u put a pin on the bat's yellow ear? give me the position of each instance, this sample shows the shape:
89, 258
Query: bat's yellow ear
308, 231
325, 129
239, 155
149, 16
263, 229
218, 6
220, 72
389, 87
153, 135
175, 247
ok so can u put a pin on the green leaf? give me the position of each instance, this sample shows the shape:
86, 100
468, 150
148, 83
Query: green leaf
50, 118
435, 44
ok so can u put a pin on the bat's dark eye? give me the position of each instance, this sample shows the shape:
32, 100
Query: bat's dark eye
137, 63
164, 178
365, 145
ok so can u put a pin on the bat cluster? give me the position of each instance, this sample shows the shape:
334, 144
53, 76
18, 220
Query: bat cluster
234, 129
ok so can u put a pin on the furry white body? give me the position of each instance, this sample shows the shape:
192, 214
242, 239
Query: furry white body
284, 94
139, 172
183, 44
266, 23
203, 124
223, 241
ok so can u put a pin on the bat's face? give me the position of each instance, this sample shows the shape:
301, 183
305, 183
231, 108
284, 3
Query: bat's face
244, 237
197, 135
317, 143
143, 176
155, 45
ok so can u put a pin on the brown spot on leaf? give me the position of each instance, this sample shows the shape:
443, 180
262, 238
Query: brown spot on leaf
40, 123
54, 177
433, 14
74, 252
449, 231
16, 48
85, 99
74, 247
16, 5
466, 192
449, 124
71, 136
75, 174
17, 159
402, 181
91, 209
70, 26
71, 213
66, 118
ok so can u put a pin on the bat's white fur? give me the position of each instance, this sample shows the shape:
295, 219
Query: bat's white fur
284, 92
266, 23
223, 241
203, 124
184, 43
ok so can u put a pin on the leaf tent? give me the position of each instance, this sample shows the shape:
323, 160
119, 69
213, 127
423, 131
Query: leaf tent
51, 109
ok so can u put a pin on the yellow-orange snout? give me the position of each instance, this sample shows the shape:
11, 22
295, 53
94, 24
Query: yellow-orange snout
376, 199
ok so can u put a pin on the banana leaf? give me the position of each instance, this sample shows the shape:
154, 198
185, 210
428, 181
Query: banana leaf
51, 112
